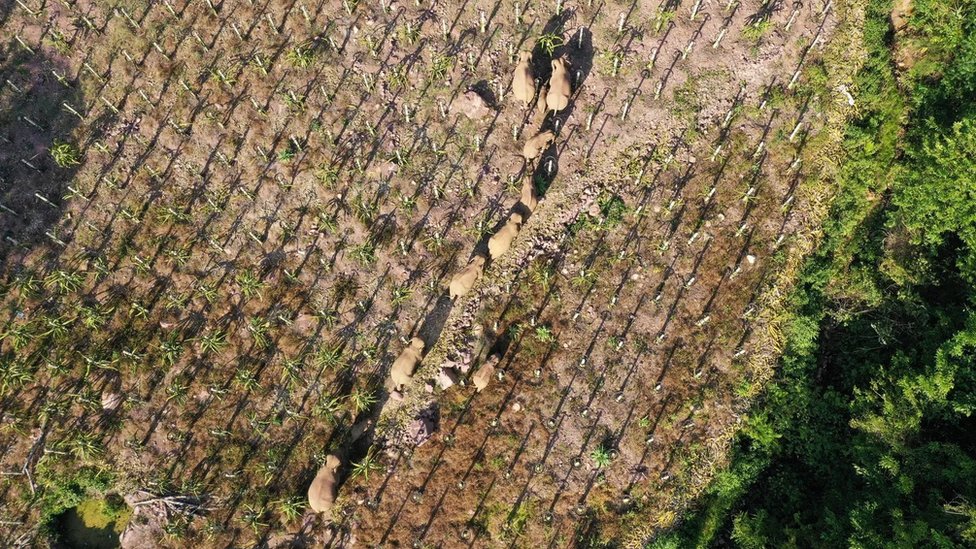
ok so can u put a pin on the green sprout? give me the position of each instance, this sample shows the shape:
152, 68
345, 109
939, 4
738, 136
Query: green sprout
549, 42
601, 456
301, 56
365, 466
65, 154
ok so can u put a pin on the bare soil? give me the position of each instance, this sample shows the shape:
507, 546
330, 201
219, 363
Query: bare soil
272, 196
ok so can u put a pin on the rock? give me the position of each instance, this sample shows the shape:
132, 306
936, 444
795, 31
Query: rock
145, 527
423, 426
396, 396
751, 259
455, 365
111, 401
305, 323
382, 170
447, 378
473, 105
516, 407
428, 388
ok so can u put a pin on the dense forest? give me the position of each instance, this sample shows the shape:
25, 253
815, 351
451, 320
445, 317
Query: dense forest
866, 438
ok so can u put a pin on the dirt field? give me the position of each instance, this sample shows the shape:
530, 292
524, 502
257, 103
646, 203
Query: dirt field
261, 202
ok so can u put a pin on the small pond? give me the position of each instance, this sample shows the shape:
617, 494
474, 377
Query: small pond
95, 523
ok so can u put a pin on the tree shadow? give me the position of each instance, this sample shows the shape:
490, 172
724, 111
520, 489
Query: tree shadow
33, 117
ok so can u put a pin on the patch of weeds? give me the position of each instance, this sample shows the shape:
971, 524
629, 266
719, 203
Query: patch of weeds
439, 67
518, 519
59, 492
549, 41
755, 32
65, 155
612, 208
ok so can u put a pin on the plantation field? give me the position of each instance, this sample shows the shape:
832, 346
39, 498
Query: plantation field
223, 221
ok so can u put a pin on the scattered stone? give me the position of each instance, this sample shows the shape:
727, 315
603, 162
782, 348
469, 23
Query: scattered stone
751, 259
111, 401
423, 426
473, 105
516, 407
145, 528
291, 540
447, 378
462, 367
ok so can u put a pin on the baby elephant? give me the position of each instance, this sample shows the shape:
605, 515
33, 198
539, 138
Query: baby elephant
500, 242
559, 86
406, 363
464, 280
536, 145
523, 83
322, 492
483, 376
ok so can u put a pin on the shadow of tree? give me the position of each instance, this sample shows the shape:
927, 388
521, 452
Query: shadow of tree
33, 117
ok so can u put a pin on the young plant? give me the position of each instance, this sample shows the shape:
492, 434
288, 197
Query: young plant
250, 284
361, 400
544, 334
439, 67
65, 155
290, 509
549, 42
365, 466
601, 456
212, 342
400, 295
755, 32
301, 56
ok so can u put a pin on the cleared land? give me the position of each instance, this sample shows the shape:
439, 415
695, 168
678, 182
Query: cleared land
256, 205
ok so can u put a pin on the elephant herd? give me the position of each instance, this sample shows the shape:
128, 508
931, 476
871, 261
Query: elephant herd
551, 97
